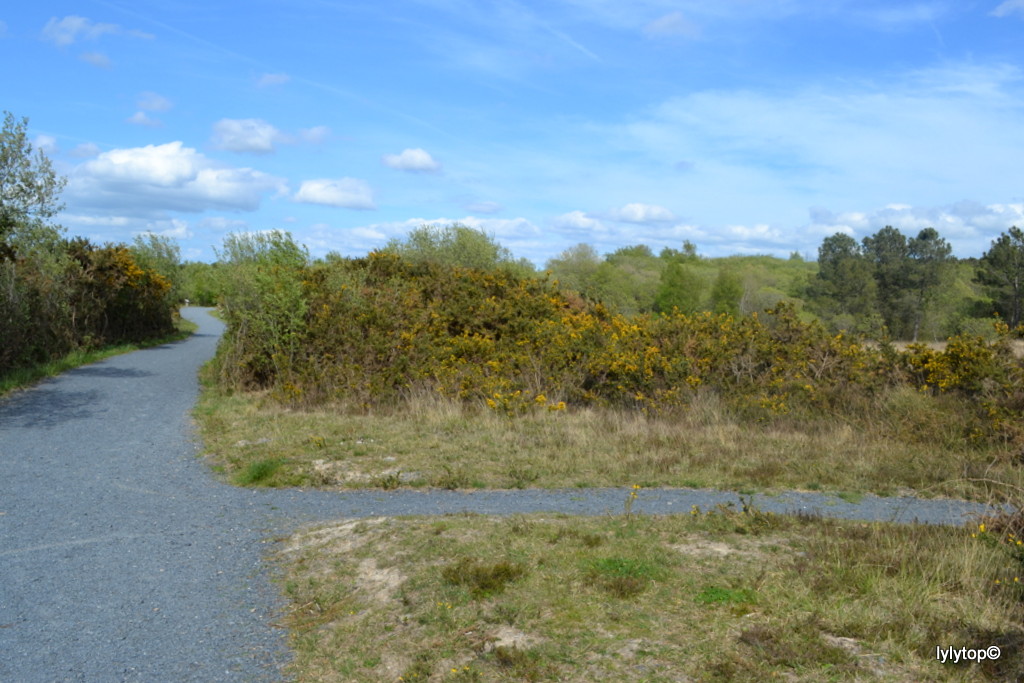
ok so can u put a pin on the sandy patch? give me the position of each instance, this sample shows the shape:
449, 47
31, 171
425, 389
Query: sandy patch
510, 637
342, 537
745, 549
378, 583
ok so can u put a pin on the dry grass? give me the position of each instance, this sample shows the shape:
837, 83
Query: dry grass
434, 442
723, 596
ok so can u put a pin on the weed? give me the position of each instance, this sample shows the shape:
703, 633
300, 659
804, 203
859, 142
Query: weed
451, 478
260, 471
389, 481
797, 648
480, 578
717, 594
853, 497
522, 476
623, 577
520, 663
630, 499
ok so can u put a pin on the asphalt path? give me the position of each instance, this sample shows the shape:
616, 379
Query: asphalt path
123, 559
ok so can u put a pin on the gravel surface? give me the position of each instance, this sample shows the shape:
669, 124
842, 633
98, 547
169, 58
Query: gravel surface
122, 559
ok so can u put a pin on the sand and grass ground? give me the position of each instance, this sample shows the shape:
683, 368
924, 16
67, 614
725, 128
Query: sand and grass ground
718, 595
430, 442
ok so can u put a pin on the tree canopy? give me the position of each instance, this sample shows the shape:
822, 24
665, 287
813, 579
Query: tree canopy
1001, 272
29, 187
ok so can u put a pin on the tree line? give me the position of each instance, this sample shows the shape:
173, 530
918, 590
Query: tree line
894, 283
61, 294
887, 285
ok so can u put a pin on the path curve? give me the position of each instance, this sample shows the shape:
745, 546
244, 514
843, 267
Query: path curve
122, 559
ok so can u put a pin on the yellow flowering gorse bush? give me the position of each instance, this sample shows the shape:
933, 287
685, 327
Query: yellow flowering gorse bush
380, 327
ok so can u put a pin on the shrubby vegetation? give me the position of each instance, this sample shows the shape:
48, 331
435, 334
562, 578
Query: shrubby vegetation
887, 286
373, 330
457, 245
60, 294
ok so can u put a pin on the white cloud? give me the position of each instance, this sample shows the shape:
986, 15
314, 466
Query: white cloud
97, 59
414, 160
315, 135
174, 228
1009, 7
3, 30
349, 193
168, 165
760, 233
577, 221
511, 232
928, 135
606, 234
510, 229
370, 235
673, 24
151, 101
103, 220
140, 118
968, 226
246, 135
643, 213
897, 17
150, 180
47, 143
267, 80
85, 150
73, 28
484, 207
222, 224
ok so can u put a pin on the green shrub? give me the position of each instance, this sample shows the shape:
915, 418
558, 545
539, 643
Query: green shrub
368, 332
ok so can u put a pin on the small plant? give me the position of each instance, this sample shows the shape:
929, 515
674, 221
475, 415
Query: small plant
260, 471
421, 668
481, 578
452, 478
630, 499
522, 476
520, 663
389, 481
623, 577
717, 594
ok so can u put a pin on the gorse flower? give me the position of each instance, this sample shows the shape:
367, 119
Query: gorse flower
375, 328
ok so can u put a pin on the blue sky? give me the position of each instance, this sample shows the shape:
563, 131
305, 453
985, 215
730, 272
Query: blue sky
744, 126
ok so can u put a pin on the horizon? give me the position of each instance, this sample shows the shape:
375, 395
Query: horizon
745, 128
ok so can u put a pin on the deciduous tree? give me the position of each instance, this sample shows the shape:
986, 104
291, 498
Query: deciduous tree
29, 187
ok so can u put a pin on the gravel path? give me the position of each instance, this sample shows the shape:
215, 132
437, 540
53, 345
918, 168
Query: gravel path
122, 559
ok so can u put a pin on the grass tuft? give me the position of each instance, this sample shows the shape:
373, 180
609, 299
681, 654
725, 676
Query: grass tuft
482, 579
259, 471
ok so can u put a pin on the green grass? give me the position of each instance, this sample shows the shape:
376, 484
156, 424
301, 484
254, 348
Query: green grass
718, 596
429, 442
24, 377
